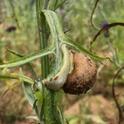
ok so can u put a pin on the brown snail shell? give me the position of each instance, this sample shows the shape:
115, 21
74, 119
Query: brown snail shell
83, 76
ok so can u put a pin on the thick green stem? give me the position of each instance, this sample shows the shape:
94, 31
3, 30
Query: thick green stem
43, 37
49, 111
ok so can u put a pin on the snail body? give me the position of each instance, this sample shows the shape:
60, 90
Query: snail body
56, 82
76, 75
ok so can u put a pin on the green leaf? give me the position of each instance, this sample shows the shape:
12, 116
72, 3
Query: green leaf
8, 77
27, 87
28, 64
29, 58
53, 21
17, 76
38, 93
80, 48
28, 92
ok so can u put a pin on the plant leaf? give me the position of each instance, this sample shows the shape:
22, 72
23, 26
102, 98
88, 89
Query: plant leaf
8, 77
28, 92
27, 87
28, 58
82, 49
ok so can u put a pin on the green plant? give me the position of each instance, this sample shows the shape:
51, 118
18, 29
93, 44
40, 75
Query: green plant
42, 94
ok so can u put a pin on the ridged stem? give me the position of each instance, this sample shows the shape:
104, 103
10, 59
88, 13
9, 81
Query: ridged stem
49, 110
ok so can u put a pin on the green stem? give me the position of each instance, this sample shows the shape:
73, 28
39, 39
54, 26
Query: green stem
49, 111
43, 37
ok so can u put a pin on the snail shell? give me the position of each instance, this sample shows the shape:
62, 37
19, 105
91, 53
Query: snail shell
83, 76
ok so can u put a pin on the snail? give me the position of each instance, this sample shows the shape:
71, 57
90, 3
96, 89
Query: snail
76, 75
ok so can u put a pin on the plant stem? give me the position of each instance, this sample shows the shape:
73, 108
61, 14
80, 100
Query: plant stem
43, 37
49, 109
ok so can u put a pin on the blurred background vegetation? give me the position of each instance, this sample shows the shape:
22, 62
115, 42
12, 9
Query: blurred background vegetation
18, 31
